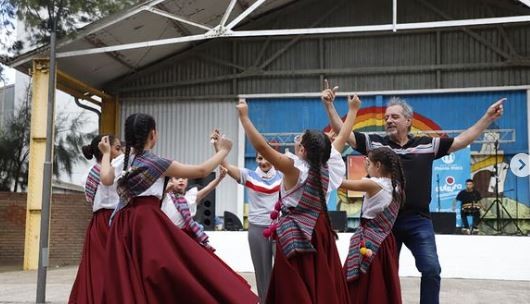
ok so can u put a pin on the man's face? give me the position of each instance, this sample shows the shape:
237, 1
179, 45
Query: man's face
470, 186
395, 122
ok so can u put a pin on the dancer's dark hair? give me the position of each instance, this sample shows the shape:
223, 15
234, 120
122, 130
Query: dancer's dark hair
92, 150
318, 150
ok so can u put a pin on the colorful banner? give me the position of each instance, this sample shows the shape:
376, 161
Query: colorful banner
449, 175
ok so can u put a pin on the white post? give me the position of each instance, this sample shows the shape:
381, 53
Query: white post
241, 164
394, 15
527, 126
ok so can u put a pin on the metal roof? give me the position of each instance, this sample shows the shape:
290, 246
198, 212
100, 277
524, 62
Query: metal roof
140, 23
122, 44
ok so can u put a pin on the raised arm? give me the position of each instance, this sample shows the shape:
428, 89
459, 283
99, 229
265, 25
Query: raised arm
278, 160
233, 171
327, 97
468, 136
212, 185
177, 169
107, 171
354, 103
363, 185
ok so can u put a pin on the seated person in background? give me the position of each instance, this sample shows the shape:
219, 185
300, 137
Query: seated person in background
469, 198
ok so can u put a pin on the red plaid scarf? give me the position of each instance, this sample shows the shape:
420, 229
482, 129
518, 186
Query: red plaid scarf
189, 223
92, 183
296, 227
373, 232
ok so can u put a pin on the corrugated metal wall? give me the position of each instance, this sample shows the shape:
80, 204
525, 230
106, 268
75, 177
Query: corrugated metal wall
426, 59
184, 129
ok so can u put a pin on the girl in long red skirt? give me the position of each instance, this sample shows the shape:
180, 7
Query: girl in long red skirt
100, 191
307, 267
149, 259
372, 265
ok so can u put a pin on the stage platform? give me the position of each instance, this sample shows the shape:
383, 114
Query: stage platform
461, 256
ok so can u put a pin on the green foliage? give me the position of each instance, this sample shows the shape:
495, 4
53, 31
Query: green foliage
69, 15
14, 146
68, 143
7, 28
41, 17
14, 149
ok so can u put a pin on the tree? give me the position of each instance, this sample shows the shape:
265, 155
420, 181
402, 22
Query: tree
68, 143
68, 16
7, 16
14, 146
43, 17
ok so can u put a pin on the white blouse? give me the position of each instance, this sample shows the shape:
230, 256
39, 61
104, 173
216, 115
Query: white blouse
337, 170
156, 189
375, 204
106, 196
168, 207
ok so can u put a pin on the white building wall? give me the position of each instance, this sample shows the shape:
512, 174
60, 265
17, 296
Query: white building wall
184, 129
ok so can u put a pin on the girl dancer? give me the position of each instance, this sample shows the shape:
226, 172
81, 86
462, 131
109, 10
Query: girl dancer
307, 267
372, 265
263, 187
181, 206
100, 191
149, 259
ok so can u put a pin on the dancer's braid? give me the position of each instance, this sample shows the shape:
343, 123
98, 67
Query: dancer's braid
318, 150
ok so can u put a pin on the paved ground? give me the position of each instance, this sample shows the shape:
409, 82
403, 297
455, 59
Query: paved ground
19, 287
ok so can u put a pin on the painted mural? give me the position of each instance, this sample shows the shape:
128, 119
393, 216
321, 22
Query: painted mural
450, 113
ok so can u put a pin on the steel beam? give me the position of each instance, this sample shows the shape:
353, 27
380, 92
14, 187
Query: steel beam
227, 12
346, 71
301, 31
177, 18
244, 14
37, 148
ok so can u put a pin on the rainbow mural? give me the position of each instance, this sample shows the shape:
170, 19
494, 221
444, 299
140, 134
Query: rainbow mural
447, 111
371, 119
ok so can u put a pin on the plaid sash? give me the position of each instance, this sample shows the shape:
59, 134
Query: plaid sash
296, 226
92, 182
373, 232
189, 223
145, 170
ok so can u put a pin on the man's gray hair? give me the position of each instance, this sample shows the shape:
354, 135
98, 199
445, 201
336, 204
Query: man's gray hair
408, 112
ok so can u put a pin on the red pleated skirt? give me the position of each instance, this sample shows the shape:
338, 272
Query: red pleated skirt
150, 260
381, 283
88, 284
311, 277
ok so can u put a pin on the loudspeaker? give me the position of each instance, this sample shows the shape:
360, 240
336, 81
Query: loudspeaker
206, 208
444, 222
232, 222
339, 220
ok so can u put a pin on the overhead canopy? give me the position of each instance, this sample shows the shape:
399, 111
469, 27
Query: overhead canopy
151, 20
126, 42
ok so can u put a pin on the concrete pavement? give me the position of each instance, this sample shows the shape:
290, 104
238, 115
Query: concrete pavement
20, 287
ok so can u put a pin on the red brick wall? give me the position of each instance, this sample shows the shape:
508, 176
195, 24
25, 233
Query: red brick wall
70, 215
